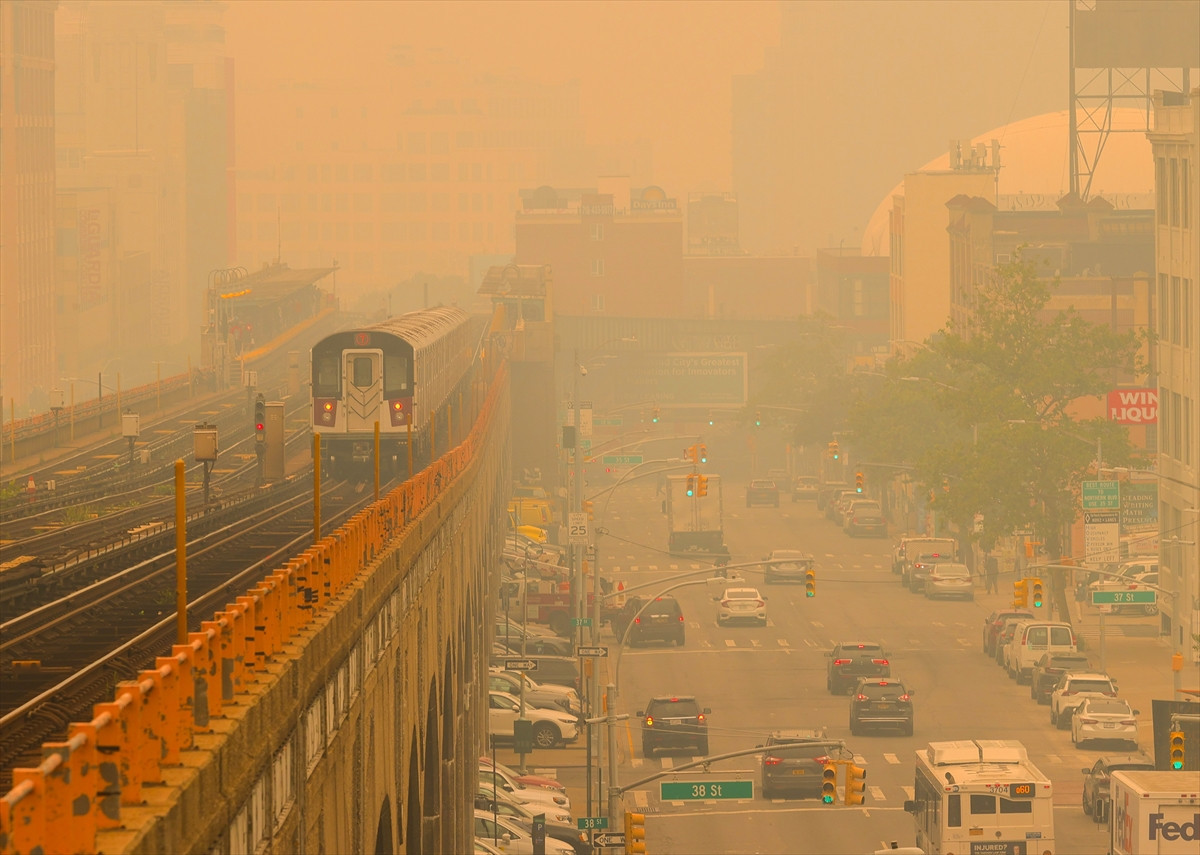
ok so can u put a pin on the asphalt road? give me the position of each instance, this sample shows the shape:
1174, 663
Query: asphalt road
759, 679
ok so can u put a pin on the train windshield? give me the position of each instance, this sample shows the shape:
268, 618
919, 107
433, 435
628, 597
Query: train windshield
326, 375
396, 376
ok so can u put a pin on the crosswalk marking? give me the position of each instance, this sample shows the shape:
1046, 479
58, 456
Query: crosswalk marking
667, 763
1052, 758
810, 642
755, 642
729, 642
653, 568
891, 758
908, 792
783, 642
633, 569
694, 624
817, 623
877, 794
965, 642
673, 567
860, 760
937, 623
641, 798
704, 642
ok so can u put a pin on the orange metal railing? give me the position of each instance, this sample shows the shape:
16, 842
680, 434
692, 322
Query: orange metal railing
80, 785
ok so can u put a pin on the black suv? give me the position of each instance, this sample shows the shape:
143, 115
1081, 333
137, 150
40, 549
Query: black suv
793, 761
1049, 668
881, 702
674, 721
850, 660
661, 620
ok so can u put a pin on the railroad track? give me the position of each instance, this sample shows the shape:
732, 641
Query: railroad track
66, 656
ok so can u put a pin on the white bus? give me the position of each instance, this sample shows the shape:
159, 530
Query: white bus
981, 797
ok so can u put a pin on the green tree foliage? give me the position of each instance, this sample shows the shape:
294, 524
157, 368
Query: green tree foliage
984, 414
807, 375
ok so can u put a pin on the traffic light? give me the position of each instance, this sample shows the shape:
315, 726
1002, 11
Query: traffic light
856, 784
589, 509
757, 418
810, 582
692, 453
635, 833
654, 416
835, 451
1177, 742
858, 482
829, 784
1021, 593
703, 452
1035, 585
701, 485
691, 485
260, 419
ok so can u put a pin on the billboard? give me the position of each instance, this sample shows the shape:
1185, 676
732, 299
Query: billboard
1138, 34
1139, 506
688, 379
1133, 406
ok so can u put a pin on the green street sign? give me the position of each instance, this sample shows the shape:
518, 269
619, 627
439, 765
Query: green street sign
586, 822
1112, 598
622, 459
615, 421
690, 791
1101, 495
581, 621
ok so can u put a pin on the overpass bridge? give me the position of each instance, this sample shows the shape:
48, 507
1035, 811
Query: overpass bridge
338, 706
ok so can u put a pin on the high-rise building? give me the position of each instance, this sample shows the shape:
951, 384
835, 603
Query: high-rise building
1175, 138
27, 346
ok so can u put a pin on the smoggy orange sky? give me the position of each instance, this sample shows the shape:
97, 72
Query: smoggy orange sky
660, 71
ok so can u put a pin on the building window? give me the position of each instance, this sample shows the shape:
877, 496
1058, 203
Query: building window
1176, 300
1185, 194
1185, 310
597, 231
597, 266
1177, 437
597, 302
1174, 192
1163, 308
1188, 441
1161, 188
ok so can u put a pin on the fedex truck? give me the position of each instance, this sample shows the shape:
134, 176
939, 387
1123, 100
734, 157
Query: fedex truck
1155, 813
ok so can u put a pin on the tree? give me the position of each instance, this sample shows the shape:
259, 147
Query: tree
986, 419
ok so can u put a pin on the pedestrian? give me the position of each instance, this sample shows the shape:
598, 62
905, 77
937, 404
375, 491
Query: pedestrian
993, 573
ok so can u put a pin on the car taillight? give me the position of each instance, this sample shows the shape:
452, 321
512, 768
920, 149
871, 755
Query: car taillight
649, 721
879, 661
822, 760
724, 602
700, 717
760, 603
842, 661
905, 697
681, 618
1087, 721
637, 620
1128, 722
860, 697
1110, 694
771, 761
1065, 694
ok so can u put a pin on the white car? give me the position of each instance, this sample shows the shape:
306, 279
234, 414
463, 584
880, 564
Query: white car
949, 580
525, 794
510, 838
487, 797
551, 727
546, 695
1070, 692
1104, 718
742, 604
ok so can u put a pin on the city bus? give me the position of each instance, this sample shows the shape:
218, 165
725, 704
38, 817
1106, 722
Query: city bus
981, 796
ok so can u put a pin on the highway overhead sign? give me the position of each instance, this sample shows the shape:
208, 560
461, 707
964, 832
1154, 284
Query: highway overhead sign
596, 652
520, 664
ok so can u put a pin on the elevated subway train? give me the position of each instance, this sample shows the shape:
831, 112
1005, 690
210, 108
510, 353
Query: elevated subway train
399, 372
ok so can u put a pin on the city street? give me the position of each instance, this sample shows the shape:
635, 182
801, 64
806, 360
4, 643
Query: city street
760, 679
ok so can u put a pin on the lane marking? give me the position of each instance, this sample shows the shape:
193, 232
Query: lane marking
641, 798
729, 642
783, 642
817, 623
667, 762
877, 794
891, 758
754, 642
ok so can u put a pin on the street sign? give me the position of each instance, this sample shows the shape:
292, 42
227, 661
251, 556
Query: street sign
581, 621
1112, 598
608, 838
686, 791
621, 459
588, 822
597, 652
613, 421
520, 664
585, 418
577, 528
1101, 495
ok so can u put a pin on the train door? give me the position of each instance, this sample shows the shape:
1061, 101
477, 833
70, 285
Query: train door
362, 378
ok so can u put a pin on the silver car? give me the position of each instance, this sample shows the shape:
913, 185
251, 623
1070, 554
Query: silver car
949, 580
792, 564
1104, 719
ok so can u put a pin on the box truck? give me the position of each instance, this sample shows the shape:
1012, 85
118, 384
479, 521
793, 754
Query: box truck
1155, 813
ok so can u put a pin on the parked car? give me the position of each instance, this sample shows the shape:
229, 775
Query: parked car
674, 721
1049, 668
792, 763
490, 799
511, 775
1071, 690
920, 569
864, 517
994, 622
949, 580
537, 694
881, 702
1033, 638
793, 565
850, 660
501, 779
1004, 639
558, 670
552, 727
827, 492
805, 488
762, 491
836, 510
559, 825
741, 604
1097, 779
1104, 719
509, 837
540, 645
